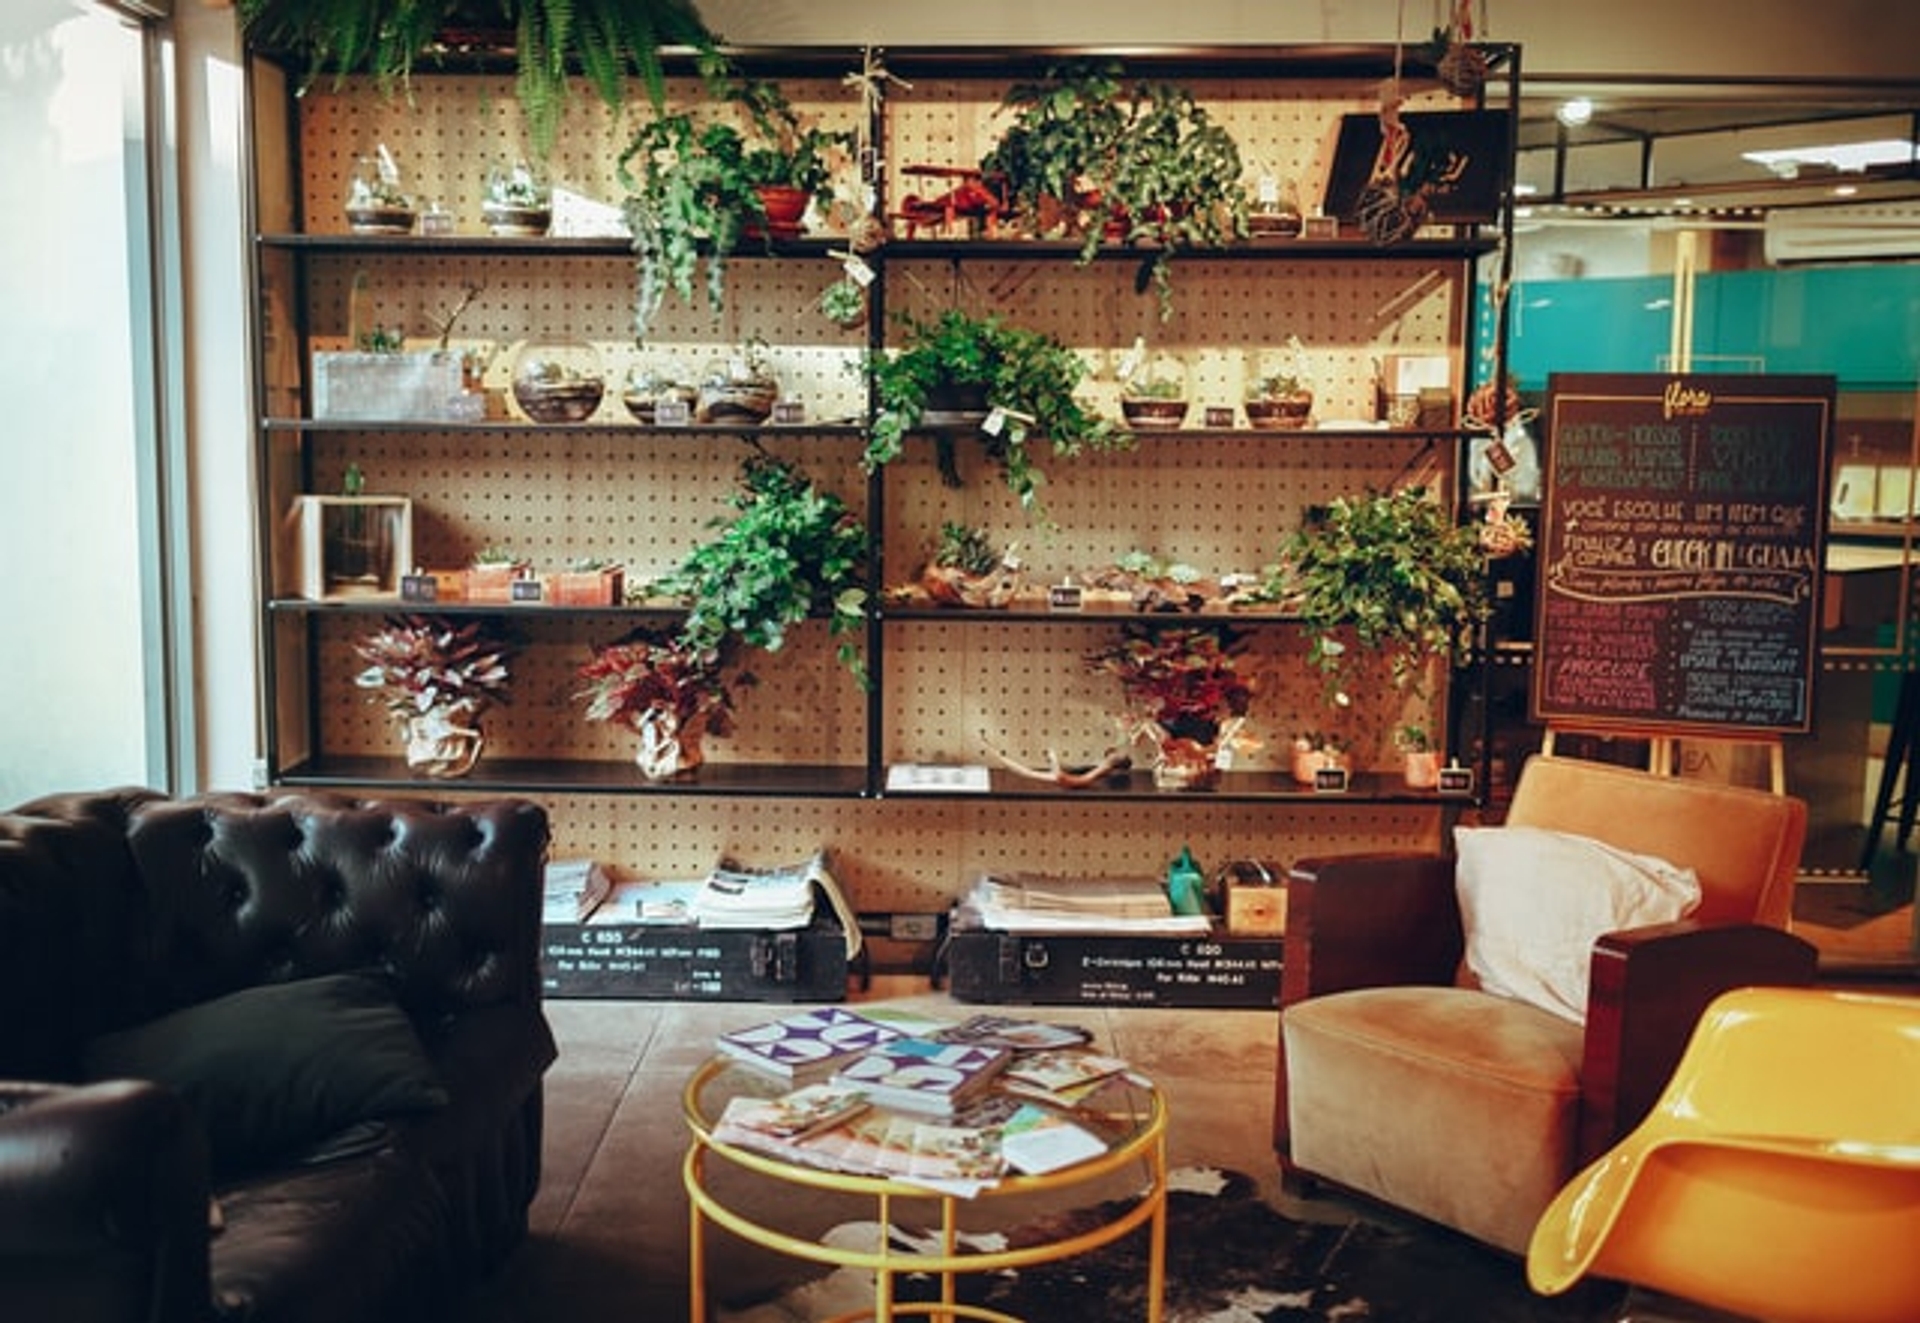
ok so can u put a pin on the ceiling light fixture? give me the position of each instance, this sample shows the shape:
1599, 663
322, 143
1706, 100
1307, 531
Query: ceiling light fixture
1574, 111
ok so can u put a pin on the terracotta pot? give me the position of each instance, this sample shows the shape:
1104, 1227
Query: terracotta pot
1422, 770
785, 207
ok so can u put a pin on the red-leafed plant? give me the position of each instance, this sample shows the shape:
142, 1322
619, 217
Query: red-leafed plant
415, 663
1185, 678
653, 671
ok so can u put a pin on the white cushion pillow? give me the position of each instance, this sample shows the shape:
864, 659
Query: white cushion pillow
1533, 901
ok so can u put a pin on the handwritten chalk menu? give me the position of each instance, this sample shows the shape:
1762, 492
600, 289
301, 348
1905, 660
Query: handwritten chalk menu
1680, 551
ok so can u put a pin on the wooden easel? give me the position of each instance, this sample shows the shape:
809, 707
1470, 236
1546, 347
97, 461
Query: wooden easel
1663, 749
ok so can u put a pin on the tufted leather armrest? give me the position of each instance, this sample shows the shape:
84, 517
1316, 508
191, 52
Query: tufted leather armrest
103, 1204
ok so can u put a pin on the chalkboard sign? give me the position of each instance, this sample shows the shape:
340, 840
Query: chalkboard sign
1680, 552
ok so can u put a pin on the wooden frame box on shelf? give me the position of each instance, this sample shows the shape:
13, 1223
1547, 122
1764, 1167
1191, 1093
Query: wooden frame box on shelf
340, 547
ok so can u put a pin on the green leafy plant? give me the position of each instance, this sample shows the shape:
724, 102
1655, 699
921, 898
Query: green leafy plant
695, 187
415, 663
651, 670
1395, 570
1090, 154
965, 548
1028, 376
789, 551
607, 40
1185, 678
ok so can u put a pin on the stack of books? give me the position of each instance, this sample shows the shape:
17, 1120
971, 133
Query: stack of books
1063, 1078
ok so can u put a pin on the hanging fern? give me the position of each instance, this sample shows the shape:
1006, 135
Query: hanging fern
607, 40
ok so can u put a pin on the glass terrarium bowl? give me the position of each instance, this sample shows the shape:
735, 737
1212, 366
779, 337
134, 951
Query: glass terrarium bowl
1155, 395
558, 381
736, 390
649, 385
375, 202
1278, 396
518, 201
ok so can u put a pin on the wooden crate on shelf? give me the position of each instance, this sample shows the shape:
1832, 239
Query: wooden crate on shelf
343, 547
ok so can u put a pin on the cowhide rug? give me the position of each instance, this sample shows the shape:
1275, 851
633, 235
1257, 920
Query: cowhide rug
1231, 1258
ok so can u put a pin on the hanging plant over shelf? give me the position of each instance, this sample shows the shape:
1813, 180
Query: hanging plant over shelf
959, 371
607, 40
1395, 570
789, 551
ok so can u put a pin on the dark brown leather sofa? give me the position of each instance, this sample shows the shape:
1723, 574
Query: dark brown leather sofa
342, 998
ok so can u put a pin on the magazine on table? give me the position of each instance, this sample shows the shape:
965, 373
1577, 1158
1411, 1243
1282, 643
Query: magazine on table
1014, 1033
806, 1045
921, 1074
1061, 1073
792, 1117
1035, 1140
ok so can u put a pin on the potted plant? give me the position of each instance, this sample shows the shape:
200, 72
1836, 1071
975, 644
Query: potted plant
966, 569
1185, 693
1420, 760
1392, 570
960, 369
788, 551
696, 185
1142, 163
1317, 751
608, 39
668, 692
492, 572
739, 388
437, 678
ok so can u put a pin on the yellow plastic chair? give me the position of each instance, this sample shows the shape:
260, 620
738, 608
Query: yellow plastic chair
1777, 1177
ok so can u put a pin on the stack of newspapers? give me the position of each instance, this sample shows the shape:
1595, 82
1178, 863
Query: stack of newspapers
1034, 903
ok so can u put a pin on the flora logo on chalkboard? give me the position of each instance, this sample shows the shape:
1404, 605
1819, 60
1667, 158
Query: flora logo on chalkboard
1684, 401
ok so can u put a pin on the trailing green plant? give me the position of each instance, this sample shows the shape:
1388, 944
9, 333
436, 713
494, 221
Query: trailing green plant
1027, 376
1396, 570
694, 187
1091, 154
608, 41
788, 551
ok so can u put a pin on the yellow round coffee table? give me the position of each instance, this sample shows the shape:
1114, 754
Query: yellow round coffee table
1132, 1120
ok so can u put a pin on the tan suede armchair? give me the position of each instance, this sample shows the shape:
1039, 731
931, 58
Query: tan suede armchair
1400, 1079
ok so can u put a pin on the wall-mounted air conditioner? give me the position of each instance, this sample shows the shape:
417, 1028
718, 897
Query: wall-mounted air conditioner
1842, 233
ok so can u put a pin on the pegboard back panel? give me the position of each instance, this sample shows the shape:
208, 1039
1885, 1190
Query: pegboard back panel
591, 298
801, 707
1219, 503
967, 692
1227, 315
1286, 131
456, 127
920, 856
643, 499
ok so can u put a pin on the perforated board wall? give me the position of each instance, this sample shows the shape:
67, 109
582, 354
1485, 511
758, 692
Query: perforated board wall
1216, 502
